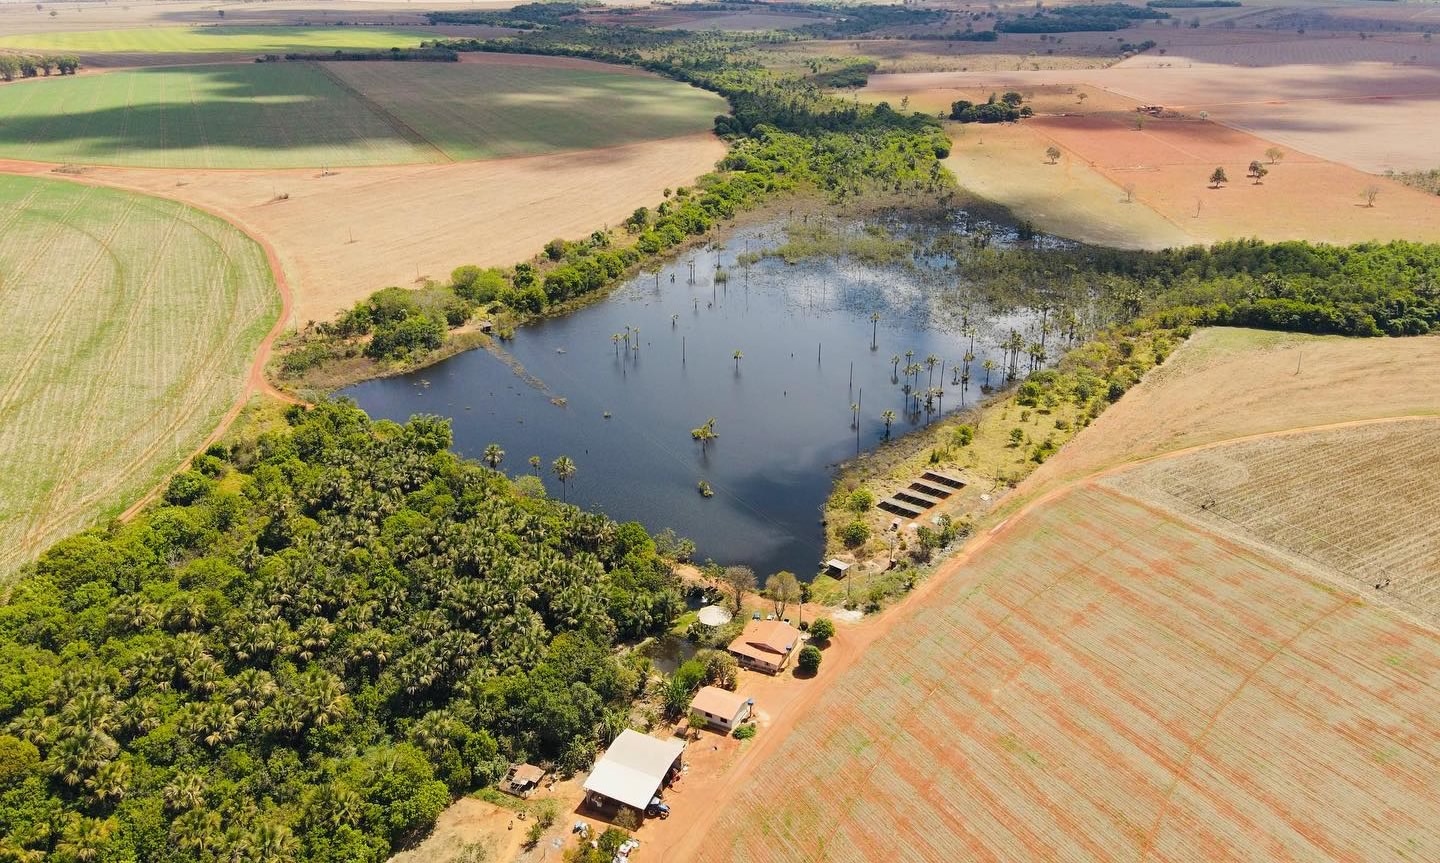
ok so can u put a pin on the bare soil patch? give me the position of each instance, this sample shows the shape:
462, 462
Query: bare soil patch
1357, 503
342, 236
1304, 197
1007, 164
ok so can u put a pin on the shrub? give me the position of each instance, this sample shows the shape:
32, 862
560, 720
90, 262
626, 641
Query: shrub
809, 661
745, 732
187, 487
861, 499
822, 629
855, 533
963, 435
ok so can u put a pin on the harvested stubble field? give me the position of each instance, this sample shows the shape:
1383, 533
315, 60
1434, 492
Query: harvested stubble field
132, 325
342, 114
220, 39
1358, 503
1227, 383
1106, 681
342, 236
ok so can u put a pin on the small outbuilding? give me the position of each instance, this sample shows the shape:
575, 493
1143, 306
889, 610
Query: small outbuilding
722, 708
523, 780
633, 771
836, 567
765, 645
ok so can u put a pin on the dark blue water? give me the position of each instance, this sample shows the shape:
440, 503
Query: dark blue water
783, 411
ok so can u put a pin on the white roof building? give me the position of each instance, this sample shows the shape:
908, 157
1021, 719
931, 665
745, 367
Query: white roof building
634, 767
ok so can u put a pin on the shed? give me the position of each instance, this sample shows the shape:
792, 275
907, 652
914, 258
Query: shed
837, 566
523, 780
634, 769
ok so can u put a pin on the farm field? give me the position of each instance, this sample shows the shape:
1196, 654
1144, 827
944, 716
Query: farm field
1105, 681
142, 317
220, 38
342, 114
1303, 198
240, 116
498, 105
1006, 163
342, 236
1226, 383
1358, 503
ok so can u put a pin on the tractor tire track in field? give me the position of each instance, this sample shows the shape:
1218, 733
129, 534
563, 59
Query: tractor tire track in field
202, 372
79, 436
406, 131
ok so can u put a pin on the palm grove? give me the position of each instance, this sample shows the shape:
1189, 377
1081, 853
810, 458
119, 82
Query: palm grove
309, 648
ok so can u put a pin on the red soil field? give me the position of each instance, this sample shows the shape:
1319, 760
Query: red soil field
1105, 681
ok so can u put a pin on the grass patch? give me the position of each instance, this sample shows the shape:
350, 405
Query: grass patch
132, 324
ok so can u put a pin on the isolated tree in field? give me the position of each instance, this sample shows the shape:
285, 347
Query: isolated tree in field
1053, 154
1217, 177
889, 417
1139, 122
1257, 171
1274, 154
740, 580
1081, 97
705, 433
1129, 189
1370, 193
564, 469
493, 456
783, 588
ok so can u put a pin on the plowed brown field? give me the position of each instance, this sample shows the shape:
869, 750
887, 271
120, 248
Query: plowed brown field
1106, 681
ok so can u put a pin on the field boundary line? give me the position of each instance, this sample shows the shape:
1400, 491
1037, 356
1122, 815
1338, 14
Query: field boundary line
404, 128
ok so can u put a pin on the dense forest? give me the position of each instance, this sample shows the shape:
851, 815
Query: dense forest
1368, 289
317, 640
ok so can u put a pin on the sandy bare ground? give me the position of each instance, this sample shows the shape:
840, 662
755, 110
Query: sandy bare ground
340, 237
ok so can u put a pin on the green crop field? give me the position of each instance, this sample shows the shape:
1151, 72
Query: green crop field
219, 39
290, 115
130, 324
483, 111
241, 116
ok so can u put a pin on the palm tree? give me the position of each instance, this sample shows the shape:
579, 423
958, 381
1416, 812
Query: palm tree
931, 362
894, 367
85, 839
615, 340
854, 415
564, 468
889, 417
705, 433
738, 357
874, 328
493, 455
535, 464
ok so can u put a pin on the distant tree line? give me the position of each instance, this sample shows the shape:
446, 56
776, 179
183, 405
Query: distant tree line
422, 55
1079, 18
1193, 4
14, 66
314, 643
